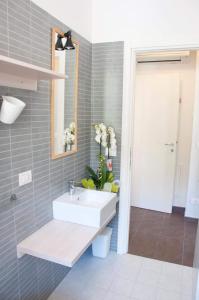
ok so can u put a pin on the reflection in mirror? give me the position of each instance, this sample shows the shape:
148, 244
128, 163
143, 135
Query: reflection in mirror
64, 99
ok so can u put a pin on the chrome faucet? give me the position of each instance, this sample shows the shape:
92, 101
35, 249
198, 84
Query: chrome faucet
71, 187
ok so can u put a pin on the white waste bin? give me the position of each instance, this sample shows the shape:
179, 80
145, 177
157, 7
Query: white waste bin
101, 245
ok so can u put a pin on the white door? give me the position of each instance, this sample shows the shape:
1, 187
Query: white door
155, 136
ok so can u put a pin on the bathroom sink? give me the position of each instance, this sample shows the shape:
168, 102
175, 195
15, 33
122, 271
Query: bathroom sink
86, 207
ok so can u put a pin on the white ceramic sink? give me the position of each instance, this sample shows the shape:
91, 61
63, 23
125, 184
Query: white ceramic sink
86, 207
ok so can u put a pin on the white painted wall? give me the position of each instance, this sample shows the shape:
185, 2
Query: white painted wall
192, 209
196, 267
146, 23
143, 22
186, 70
76, 14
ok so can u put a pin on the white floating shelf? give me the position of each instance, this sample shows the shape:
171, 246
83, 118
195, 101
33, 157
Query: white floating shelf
18, 74
60, 242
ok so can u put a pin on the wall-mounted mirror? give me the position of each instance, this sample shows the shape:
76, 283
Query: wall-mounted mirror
64, 98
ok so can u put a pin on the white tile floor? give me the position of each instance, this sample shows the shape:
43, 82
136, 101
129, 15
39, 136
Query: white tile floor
126, 277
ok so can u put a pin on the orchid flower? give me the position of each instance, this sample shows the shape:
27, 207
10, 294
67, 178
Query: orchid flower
69, 134
105, 137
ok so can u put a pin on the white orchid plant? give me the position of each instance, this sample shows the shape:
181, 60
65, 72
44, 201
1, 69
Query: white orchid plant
103, 178
69, 134
105, 136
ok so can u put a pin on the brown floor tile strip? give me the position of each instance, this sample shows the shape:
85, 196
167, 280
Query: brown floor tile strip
166, 237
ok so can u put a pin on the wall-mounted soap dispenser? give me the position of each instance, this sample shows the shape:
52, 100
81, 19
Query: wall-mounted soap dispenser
11, 108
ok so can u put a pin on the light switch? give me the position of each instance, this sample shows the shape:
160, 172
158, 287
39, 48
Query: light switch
25, 178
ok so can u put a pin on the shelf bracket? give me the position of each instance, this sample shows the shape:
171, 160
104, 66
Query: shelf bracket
18, 82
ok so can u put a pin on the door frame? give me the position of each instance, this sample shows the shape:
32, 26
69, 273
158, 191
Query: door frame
129, 72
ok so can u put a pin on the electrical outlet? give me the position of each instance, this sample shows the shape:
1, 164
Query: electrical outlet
25, 178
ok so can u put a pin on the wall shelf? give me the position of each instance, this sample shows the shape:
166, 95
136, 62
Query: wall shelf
18, 74
60, 242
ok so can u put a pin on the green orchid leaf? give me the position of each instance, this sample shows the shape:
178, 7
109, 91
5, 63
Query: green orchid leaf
84, 182
91, 172
91, 184
93, 176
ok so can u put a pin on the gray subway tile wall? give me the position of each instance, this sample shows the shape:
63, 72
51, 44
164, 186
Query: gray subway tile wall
106, 103
25, 34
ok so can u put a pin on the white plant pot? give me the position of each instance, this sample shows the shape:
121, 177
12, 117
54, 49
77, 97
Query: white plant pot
10, 110
69, 147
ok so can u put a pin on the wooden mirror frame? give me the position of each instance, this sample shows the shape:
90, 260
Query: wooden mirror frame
53, 154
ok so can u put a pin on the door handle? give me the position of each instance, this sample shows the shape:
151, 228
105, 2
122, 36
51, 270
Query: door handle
170, 144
